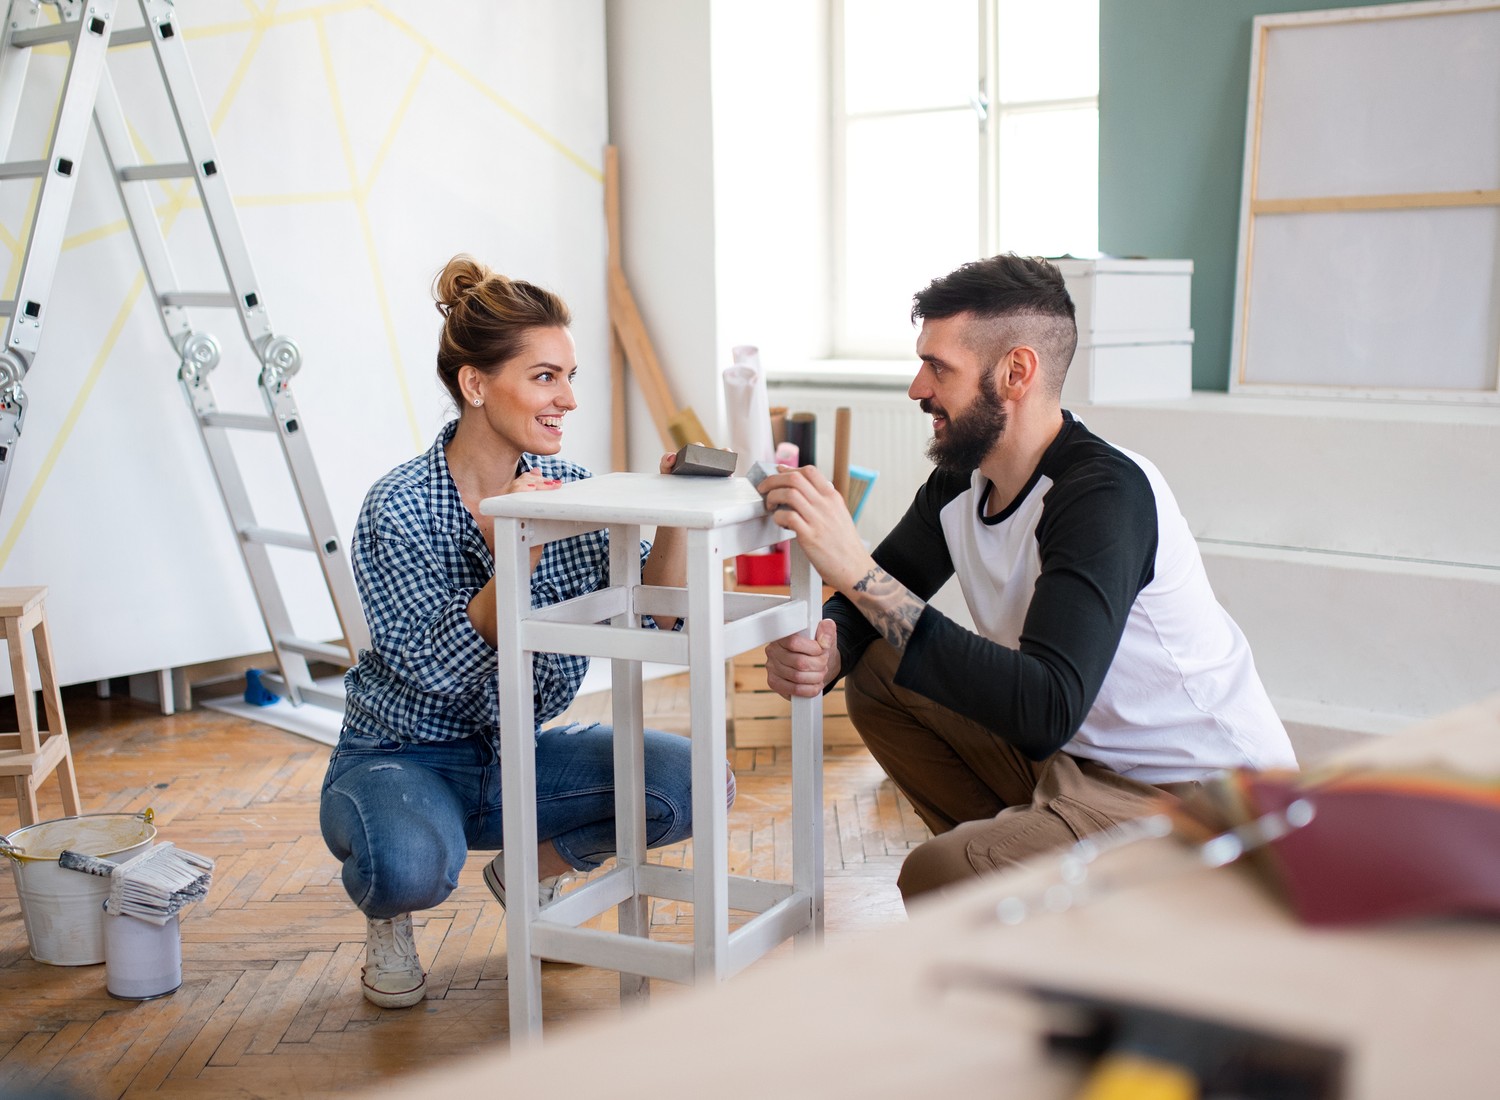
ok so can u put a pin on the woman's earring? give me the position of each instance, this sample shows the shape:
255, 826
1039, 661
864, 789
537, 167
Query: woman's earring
478, 402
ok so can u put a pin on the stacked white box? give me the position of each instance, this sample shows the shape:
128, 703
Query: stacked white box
1135, 337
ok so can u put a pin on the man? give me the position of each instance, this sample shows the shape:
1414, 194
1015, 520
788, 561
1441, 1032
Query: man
1103, 672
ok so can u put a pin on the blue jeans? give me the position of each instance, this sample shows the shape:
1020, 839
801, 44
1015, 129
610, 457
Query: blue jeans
402, 816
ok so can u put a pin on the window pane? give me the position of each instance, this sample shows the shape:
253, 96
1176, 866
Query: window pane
1048, 50
899, 55
1049, 182
911, 213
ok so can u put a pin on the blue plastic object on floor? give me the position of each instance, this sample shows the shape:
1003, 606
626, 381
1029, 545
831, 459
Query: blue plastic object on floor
256, 693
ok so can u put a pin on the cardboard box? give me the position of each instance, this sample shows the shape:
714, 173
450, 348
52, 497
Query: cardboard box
1135, 340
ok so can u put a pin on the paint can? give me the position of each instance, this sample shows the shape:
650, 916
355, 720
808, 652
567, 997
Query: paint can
64, 910
143, 959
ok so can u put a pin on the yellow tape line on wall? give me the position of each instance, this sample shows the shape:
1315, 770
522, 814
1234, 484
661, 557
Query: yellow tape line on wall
361, 206
71, 420
259, 24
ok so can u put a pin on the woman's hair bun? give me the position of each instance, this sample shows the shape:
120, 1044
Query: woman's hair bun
459, 277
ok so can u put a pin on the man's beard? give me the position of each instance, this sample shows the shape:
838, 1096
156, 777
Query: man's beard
971, 435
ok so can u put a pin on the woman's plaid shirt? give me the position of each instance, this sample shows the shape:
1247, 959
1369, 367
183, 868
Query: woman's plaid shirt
419, 558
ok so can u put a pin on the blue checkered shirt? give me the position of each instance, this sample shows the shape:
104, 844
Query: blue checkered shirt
419, 558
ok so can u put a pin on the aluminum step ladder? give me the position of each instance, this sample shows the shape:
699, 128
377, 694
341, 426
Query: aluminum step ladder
89, 31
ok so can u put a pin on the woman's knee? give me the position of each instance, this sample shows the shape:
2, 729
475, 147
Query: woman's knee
669, 790
399, 832
669, 806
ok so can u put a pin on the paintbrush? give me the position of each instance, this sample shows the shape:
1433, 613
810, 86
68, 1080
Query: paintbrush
152, 886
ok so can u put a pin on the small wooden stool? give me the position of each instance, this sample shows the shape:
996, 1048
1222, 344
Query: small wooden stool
30, 755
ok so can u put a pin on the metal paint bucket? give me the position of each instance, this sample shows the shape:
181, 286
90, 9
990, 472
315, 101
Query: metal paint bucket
64, 910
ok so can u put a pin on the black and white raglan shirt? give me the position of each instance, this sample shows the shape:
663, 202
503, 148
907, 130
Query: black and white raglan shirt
1097, 629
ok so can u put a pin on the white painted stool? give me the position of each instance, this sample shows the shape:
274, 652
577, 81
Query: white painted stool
30, 754
721, 517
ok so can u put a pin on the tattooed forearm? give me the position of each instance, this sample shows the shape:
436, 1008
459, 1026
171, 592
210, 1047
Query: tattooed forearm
888, 605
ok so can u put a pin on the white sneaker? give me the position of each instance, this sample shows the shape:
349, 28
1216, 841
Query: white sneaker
549, 889
393, 976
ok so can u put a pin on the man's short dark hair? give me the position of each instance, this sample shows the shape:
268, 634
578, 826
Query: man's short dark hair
1017, 300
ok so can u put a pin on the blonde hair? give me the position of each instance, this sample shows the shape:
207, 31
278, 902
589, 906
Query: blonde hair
486, 317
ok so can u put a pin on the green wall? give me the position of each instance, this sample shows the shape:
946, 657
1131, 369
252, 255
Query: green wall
1173, 81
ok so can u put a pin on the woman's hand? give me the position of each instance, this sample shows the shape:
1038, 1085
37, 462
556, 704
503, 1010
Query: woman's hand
668, 460
482, 606
533, 481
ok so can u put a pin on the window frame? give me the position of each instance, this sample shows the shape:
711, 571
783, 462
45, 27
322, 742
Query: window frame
989, 116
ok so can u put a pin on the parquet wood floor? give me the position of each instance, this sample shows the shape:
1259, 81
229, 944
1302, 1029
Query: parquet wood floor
270, 1004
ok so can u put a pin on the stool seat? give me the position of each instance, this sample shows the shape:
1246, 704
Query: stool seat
15, 602
29, 754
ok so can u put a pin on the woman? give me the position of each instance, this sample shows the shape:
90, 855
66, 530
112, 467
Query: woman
414, 781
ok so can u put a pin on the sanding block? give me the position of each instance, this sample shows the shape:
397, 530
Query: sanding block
759, 470
696, 460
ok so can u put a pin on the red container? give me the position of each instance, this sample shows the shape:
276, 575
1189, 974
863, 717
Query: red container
765, 567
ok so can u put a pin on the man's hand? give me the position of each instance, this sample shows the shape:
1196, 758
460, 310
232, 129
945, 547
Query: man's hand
799, 665
806, 503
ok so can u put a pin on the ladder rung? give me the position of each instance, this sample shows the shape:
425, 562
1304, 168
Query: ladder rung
336, 654
8, 307
66, 32
248, 421
198, 298
156, 172
294, 539
23, 170
44, 36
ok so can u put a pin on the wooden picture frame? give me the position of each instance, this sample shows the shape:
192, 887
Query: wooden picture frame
1369, 249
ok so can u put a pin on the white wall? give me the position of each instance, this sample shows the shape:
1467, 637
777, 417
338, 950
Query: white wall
1356, 543
661, 120
365, 145
719, 111
771, 178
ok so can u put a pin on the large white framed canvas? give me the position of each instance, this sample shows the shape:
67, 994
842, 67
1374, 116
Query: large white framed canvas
364, 144
1369, 255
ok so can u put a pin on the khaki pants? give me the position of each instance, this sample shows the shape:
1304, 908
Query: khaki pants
990, 806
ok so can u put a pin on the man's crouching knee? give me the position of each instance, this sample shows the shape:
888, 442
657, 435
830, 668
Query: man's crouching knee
941, 862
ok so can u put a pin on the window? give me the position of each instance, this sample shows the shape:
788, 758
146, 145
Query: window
962, 128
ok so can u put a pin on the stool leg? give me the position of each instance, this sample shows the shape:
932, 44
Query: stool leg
517, 782
807, 768
25, 799
632, 914
706, 694
57, 725
25, 693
